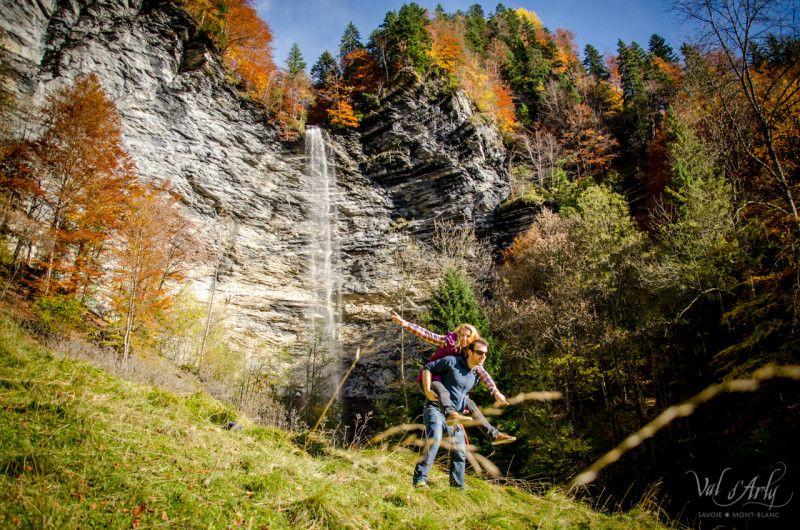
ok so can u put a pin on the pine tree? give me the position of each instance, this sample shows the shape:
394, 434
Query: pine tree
658, 47
351, 41
402, 39
294, 61
325, 69
593, 62
476, 28
454, 304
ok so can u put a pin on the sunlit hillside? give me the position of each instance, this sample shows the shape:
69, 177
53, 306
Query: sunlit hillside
82, 448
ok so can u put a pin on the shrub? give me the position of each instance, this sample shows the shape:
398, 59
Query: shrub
58, 313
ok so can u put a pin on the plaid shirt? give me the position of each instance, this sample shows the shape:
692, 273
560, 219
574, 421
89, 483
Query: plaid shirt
448, 345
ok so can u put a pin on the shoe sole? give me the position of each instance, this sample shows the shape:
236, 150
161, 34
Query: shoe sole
501, 442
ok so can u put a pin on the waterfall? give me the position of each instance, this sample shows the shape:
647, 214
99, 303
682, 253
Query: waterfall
323, 247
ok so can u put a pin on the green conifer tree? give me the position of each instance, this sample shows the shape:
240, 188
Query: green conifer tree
324, 69
351, 41
658, 47
454, 303
593, 62
294, 61
476, 28
402, 39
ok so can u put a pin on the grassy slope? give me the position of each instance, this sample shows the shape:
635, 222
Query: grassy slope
81, 448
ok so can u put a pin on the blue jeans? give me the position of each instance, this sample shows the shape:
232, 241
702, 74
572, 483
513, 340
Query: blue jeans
434, 430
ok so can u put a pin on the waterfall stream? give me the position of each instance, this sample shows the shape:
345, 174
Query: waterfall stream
323, 248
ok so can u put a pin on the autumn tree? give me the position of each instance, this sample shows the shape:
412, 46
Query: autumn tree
243, 39
293, 95
447, 44
590, 146
152, 251
341, 114
83, 171
735, 28
362, 73
341, 87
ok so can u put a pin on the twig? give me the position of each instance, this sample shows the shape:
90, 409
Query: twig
330, 401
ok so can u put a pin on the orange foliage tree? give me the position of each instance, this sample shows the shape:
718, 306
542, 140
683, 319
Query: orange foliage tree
153, 247
291, 99
244, 40
245, 47
337, 97
447, 44
592, 148
361, 72
480, 79
334, 96
567, 55
82, 171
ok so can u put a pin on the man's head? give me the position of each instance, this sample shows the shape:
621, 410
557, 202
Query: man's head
476, 352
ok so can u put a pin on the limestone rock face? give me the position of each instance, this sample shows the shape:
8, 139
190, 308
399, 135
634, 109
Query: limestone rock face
420, 154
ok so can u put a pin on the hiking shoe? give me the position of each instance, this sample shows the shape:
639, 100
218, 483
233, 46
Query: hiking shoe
457, 419
421, 484
503, 438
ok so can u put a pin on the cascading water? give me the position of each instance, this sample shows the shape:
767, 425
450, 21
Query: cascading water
323, 248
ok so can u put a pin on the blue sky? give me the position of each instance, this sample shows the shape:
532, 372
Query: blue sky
318, 25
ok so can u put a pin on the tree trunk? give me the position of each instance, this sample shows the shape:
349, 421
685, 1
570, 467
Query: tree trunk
208, 316
51, 258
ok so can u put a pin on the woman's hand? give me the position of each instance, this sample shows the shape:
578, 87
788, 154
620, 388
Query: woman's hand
500, 397
396, 318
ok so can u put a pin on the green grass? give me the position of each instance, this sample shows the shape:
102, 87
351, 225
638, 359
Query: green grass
80, 448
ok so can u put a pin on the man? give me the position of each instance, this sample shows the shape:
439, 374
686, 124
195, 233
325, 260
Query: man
458, 376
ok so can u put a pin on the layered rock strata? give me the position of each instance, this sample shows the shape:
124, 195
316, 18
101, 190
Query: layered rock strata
421, 154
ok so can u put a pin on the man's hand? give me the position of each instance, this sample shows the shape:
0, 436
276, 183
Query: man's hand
500, 397
426, 386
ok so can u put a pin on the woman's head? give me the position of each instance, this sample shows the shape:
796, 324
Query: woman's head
466, 333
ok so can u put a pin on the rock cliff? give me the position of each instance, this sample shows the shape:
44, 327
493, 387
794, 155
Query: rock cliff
420, 154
